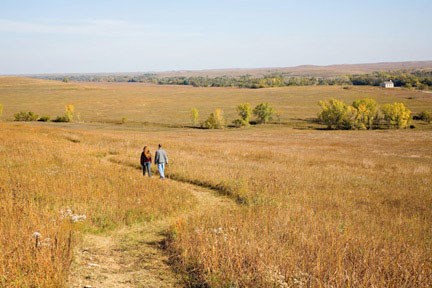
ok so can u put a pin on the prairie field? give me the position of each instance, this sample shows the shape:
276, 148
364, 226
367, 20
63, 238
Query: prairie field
170, 105
310, 208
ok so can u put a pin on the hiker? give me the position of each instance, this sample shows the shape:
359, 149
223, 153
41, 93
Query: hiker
161, 159
146, 159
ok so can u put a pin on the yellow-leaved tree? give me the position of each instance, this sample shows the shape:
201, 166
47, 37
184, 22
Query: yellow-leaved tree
215, 120
336, 114
194, 114
366, 113
69, 112
68, 115
396, 115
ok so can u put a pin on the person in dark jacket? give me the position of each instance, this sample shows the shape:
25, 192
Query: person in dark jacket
161, 159
146, 160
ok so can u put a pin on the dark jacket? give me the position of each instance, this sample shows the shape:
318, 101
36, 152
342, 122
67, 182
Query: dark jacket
144, 159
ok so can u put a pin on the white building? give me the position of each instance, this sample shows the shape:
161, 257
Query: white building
387, 84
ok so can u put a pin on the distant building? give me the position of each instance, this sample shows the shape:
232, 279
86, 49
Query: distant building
387, 84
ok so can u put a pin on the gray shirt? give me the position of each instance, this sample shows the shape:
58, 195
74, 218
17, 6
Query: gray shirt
161, 156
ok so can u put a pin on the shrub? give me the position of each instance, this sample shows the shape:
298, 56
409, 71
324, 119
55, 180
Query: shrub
244, 110
215, 120
26, 116
69, 112
263, 112
422, 86
366, 113
396, 115
424, 116
336, 114
68, 116
44, 118
194, 114
61, 119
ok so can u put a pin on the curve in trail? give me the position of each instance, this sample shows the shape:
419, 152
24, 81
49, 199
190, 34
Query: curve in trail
220, 189
134, 256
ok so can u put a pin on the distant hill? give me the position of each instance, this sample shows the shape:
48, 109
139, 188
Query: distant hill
305, 70
412, 74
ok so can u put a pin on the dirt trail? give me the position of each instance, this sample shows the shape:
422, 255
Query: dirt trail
134, 256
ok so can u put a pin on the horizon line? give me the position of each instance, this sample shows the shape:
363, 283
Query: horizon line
215, 69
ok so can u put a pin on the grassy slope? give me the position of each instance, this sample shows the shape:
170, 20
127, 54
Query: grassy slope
341, 208
110, 102
44, 171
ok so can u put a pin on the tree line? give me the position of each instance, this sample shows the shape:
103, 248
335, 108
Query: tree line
362, 114
366, 113
419, 79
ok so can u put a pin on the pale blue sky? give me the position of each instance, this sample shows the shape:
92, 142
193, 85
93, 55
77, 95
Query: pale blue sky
77, 36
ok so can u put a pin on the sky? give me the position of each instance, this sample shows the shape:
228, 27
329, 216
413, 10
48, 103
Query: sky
92, 36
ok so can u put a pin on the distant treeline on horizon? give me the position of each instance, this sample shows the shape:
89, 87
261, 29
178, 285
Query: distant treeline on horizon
419, 79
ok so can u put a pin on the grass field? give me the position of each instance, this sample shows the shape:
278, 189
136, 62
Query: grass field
140, 103
314, 208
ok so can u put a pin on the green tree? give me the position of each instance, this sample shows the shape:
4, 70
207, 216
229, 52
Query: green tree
336, 114
263, 112
194, 114
396, 115
366, 113
215, 120
244, 111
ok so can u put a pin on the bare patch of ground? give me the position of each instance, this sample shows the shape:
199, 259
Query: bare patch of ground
134, 256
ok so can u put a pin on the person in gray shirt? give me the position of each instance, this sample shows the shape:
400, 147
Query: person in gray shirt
161, 159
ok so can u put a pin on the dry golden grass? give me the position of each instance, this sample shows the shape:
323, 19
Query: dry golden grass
46, 171
316, 208
352, 210
110, 102
320, 208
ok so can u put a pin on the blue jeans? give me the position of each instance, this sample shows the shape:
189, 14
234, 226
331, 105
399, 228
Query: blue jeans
161, 168
146, 167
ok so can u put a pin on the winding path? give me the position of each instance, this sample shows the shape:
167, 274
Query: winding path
134, 256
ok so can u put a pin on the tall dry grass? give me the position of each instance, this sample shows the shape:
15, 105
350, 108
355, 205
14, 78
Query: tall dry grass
317, 208
323, 209
57, 184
